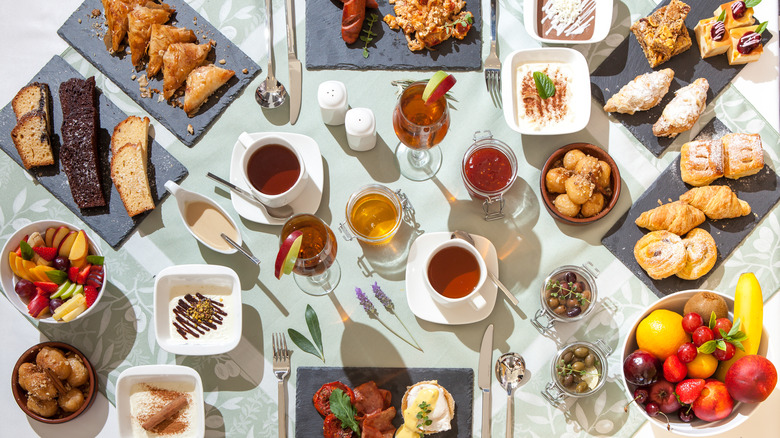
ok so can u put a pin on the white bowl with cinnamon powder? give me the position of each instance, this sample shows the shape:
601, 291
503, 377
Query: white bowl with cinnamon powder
160, 400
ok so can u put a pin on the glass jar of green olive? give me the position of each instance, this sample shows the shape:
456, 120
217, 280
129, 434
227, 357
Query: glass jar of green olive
578, 370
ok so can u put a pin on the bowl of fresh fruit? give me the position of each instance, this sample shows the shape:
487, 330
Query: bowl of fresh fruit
695, 361
52, 271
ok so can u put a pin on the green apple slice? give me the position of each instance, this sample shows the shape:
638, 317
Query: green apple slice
288, 254
439, 84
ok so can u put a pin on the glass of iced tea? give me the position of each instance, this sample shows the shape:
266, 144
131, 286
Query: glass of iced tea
419, 127
316, 270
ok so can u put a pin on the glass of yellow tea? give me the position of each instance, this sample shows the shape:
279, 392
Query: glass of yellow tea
374, 214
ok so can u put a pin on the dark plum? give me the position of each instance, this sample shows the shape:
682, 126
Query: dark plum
641, 368
54, 303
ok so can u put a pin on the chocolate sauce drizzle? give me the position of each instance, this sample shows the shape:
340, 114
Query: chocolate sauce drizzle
186, 324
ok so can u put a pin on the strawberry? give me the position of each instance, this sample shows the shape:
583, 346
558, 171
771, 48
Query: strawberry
46, 253
90, 293
81, 278
46, 286
674, 369
73, 273
689, 390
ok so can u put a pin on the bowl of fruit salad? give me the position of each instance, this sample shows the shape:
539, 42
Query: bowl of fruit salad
52, 271
695, 361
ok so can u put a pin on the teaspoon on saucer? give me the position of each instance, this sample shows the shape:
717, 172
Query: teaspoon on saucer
459, 234
283, 212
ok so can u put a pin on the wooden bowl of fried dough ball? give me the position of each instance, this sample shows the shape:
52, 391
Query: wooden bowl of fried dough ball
39, 396
580, 184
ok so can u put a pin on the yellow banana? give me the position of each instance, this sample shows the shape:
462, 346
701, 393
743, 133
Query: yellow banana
749, 308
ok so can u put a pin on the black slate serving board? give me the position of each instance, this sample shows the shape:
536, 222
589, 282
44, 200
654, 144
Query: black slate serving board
458, 381
87, 38
388, 51
761, 191
628, 61
110, 222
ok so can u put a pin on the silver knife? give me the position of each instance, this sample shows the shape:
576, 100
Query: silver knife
483, 378
294, 64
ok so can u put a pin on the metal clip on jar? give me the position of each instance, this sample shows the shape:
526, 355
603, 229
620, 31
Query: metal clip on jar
566, 299
374, 214
489, 169
574, 370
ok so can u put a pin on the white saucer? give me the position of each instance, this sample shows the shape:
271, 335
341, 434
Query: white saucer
420, 301
307, 202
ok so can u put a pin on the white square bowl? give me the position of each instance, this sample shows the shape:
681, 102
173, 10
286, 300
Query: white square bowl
158, 374
196, 275
601, 25
580, 104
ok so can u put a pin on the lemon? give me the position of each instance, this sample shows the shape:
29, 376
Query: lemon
661, 333
702, 367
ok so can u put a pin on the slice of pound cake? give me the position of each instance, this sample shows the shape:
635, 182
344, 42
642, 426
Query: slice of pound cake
133, 129
128, 170
32, 134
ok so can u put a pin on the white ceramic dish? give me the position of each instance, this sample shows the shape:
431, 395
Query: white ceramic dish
676, 302
580, 104
307, 202
8, 279
602, 22
420, 300
158, 374
196, 275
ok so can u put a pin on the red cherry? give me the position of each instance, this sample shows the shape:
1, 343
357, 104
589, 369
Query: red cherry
691, 322
721, 324
652, 409
748, 42
726, 354
702, 335
687, 352
641, 395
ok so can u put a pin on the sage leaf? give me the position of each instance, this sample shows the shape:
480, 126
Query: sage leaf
544, 85
314, 327
303, 343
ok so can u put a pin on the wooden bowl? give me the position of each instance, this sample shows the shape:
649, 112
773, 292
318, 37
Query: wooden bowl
593, 151
20, 395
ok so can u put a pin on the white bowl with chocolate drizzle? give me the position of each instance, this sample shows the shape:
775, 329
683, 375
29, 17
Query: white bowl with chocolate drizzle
197, 309
568, 21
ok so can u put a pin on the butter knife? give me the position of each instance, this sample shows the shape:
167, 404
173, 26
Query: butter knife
294, 65
483, 378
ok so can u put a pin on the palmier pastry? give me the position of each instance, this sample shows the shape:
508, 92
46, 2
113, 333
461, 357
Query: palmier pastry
641, 94
717, 202
700, 252
684, 110
701, 162
676, 217
660, 253
743, 155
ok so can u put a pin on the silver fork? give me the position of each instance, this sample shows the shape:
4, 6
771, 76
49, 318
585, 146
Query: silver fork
492, 63
281, 364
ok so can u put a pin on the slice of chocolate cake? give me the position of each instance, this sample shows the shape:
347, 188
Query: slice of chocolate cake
79, 141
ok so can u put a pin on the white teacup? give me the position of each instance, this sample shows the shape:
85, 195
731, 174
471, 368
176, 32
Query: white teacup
250, 147
474, 298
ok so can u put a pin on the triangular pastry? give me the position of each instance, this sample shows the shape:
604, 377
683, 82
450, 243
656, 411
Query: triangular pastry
139, 28
162, 37
202, 83
179, 60
116, 19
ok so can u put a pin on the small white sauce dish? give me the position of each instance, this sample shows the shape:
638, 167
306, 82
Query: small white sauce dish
161, 375
580, 85
601, 24
168, 286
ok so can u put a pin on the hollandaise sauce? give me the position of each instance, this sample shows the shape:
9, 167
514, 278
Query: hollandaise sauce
428, 412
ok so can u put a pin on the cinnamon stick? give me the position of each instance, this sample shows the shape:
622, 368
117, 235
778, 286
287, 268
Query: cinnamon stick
166, 412
56, 381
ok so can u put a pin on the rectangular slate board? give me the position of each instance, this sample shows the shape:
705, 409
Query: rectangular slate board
87, 38
628, 61
110, 222
458, 381
761, 191
388, 51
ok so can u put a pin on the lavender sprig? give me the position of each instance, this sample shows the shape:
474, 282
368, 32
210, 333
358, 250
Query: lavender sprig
368, 306
390, 307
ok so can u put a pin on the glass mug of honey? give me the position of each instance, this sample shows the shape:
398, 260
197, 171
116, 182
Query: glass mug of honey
273, 169
374, 214
489, 169
454, 274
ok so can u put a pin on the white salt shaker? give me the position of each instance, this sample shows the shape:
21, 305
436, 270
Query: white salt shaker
361, 129
332, 97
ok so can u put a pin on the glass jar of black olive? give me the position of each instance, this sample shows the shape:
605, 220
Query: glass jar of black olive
568, 294
578, 370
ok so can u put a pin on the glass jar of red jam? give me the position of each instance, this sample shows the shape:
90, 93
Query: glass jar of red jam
488, 171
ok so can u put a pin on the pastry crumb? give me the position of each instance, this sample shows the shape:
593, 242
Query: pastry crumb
95, 13
79, 20
190, 129
133, 77
244, 71
222, 61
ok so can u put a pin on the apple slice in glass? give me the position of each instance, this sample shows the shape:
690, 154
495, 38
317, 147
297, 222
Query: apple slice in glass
288, 254
439, 84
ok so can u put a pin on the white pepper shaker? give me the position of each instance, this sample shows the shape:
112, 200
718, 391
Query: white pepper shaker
332, 97
361, 129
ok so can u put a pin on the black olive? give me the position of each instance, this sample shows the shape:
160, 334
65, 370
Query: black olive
570, 277
574, 311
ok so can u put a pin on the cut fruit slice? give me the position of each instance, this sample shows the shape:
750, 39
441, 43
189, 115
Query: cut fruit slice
70, 316
439, 84
69, 305
46, 286
12, 263
288, 254
59, 235
67, 244
80, 248
61, 290
49, 236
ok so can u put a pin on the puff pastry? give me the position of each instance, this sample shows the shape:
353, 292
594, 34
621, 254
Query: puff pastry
139, 27
701, 162
116, 19
743, 155
163, 36
202, 83
676, 217
179, 60
660, 253
684, 110
717, 202
641, 94
700, 254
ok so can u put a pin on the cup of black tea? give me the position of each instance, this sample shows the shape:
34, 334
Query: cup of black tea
273, 169
455, 272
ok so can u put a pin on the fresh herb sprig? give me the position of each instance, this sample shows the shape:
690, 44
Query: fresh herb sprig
566, 291
341, 406
422, 415
27, 251
568, 370
544, 85
366, 34
735, 336
390, 307
466, 20
761, 27
313, 324
752, 3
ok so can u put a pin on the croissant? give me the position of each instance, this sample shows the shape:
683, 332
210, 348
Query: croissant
202, 83
684, 110
717, 202
676, 217
139, 27
162, 37
641, 94
179, 60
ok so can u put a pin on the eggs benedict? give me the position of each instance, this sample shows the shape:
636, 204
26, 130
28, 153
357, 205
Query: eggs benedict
427, 408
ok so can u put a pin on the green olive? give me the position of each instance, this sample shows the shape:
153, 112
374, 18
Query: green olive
560, 310
568, 357
581, 352
586, 295
590, 360
553, 302
578, 366
581, 387
568, 380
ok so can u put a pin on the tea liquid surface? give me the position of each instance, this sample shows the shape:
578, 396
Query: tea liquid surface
273, 169
453, 272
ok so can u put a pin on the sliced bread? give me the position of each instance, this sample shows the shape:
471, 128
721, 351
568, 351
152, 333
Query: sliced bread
31, 138
133, 129
128, 171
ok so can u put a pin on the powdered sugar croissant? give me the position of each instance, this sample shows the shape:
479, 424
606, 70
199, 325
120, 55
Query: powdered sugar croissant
641, 94
684, 110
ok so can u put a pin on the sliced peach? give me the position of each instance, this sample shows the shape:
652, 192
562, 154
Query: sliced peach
49, 236
59, 235
67, 244
79, 263
12, 263
80, 247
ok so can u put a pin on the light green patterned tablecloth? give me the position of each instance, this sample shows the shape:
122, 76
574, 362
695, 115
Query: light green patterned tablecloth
240, 389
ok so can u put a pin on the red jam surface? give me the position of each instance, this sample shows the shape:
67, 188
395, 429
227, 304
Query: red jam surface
488, 170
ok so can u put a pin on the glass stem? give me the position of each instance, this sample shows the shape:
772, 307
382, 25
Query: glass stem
419, 157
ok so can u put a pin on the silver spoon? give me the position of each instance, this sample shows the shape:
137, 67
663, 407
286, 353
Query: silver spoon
459, 234
283, 212
235, 245
270, 93
510, 369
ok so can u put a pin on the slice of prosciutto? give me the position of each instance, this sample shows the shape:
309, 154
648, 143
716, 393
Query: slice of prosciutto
369, 399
